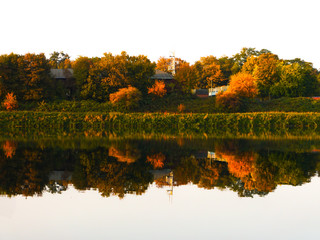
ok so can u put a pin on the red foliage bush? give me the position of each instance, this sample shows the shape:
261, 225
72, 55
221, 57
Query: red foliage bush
10, 102
158, 89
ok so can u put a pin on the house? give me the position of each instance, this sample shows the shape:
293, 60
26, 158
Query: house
163, 76
204, 93
167, 78
216, 90
64, 79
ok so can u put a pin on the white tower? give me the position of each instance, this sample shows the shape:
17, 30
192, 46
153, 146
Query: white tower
172, 66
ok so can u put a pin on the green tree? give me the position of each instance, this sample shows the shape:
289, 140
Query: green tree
296, 80
28, 76
60, 60
81, 68
139, 71
226, 64
10, 72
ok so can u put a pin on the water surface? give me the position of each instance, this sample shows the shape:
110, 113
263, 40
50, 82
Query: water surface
175, 188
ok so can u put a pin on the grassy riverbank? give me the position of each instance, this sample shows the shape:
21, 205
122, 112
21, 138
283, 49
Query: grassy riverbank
213, 124
170, 104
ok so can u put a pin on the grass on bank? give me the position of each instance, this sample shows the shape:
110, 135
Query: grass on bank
170, 104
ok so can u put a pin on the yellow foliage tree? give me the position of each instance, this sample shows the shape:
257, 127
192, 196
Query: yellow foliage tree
264, 69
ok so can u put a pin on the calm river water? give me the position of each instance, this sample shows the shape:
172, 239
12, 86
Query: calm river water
165, 188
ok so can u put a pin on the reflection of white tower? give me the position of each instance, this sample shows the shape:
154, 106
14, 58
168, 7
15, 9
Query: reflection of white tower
169, 180
172, 66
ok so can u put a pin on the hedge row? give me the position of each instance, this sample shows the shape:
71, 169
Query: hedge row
236, 123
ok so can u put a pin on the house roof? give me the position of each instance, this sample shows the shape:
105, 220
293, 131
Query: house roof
68, 73
161, 75
62, 73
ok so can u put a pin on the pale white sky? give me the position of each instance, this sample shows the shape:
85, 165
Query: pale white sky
192, 29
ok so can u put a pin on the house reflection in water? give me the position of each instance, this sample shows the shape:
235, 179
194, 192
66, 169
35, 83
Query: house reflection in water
163, 178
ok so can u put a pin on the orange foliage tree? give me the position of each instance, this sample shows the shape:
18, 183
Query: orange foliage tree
126, 97
10, 102
244, 85
158, 89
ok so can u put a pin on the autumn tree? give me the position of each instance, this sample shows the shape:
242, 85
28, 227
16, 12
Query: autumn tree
10, 102
208, 72
35, 76
186, 77
110, 73
244, 85
240, 58
158, 89
126, 98
163, 64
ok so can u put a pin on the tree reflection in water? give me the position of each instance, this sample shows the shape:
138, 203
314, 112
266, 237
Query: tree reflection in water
248, 167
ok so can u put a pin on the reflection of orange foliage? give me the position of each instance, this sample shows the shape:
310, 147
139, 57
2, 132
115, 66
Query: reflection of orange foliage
181, 108
127, 155
243, 165
240, 164
180, 142
9, 148
261, 180
210, 174
156, 160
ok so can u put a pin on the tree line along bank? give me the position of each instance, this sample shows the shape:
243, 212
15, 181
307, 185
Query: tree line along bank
127, 80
